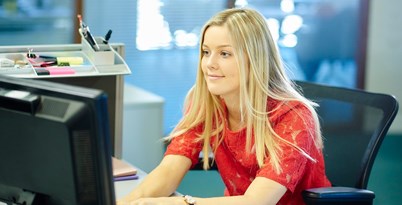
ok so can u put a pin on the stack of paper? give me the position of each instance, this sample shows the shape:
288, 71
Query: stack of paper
123, 170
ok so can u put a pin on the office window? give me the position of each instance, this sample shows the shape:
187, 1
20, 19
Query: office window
152, 28
25, 22
170, 24
319, 39
161, 45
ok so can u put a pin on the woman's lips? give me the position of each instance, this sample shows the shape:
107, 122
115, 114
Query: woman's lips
215, 77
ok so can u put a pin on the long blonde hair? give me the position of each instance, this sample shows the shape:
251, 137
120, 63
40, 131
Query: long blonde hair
251, 40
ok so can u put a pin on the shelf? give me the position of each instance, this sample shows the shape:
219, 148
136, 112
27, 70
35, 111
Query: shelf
91, 63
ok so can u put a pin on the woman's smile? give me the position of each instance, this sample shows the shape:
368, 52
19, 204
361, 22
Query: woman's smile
215, 76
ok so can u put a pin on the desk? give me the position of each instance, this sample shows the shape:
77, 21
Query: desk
122, 188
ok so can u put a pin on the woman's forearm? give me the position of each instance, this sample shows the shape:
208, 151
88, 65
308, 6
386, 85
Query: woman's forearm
157, 183
163, 180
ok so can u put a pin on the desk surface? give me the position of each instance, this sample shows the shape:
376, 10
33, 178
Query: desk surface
122, 188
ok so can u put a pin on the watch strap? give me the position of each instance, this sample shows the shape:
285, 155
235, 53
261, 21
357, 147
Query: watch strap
189, 200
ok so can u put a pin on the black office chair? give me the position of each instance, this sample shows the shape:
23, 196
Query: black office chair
354, 124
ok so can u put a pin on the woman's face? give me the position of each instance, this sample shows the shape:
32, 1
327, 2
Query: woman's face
219, 63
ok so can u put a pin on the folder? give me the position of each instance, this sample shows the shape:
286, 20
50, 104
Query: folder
122, 168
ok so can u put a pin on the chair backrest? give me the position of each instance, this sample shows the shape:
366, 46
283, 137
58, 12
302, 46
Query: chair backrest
354, 123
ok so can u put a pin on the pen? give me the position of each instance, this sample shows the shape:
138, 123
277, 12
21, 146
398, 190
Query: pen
87, 34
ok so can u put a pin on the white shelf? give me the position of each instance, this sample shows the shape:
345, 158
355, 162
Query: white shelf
89, 67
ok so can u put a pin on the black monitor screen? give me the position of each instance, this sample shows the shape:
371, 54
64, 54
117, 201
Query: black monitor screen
54, 144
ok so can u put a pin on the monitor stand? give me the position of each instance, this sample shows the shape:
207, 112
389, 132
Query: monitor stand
15, 196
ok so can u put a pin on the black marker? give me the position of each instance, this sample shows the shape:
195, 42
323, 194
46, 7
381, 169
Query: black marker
107, 36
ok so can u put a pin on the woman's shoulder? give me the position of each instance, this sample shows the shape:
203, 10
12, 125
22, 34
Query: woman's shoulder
278, 109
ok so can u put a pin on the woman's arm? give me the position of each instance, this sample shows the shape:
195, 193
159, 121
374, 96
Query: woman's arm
261, 191
162, 181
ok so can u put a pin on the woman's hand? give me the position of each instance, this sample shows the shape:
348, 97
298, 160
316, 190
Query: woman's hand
154, 201
157, 185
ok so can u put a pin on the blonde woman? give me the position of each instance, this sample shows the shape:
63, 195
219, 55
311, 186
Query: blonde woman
265, 136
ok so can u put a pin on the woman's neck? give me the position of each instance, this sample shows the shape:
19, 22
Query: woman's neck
234, 115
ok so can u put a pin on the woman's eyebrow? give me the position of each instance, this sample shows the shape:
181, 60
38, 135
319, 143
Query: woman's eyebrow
220, 46
224, 46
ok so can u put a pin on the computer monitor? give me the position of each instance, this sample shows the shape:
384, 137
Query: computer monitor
54, 144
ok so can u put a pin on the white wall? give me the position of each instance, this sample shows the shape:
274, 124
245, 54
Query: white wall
384, 55
142, 128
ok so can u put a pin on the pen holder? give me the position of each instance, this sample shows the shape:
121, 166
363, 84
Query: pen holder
105, 54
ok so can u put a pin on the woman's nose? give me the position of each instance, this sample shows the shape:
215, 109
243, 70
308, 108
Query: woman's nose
212, 62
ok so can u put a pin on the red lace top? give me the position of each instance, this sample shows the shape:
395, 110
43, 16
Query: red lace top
238, 168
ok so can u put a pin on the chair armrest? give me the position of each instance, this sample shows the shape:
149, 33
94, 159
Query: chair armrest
338, 195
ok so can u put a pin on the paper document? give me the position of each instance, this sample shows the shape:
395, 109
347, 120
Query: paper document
122, 168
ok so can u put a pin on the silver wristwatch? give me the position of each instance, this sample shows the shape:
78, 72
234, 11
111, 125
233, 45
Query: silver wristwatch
189, 200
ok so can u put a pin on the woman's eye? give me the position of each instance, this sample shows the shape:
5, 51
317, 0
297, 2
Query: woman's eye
225, 54
205, 52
